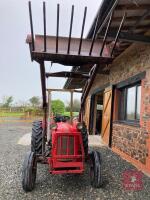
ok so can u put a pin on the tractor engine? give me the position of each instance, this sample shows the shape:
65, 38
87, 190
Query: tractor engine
67, 154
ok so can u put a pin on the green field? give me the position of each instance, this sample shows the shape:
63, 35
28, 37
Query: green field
20, 114
11, 114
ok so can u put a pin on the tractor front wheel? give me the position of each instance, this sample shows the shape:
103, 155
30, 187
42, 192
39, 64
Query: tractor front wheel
29, 172
95, 169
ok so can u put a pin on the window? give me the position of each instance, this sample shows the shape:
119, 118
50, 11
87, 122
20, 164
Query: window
130, 103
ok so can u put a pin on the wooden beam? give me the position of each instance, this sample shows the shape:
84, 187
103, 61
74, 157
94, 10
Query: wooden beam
138, 21
133, 7
130, 18
64, 90
127, 37
129, 26
131, 80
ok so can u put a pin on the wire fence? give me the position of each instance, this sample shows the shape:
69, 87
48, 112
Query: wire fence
20, 114
14, 114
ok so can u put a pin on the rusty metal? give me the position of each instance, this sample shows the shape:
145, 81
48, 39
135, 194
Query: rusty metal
44, 129
83, 24
94, 35
43, 83
57, 29
94, 72
107, 17
106, 33
44, 23
63, 46
71, 23
87, 89
69, 59
70, 51
31, 25
65, 74
119, 30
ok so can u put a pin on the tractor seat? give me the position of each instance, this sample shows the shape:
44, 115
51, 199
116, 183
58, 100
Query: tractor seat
60, 118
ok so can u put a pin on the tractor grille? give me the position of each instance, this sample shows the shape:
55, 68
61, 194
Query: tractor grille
67, 154
68, 145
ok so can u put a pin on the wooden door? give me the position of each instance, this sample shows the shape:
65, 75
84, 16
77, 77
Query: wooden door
106, 118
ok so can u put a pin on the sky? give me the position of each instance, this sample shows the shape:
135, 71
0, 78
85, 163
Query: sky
19, 76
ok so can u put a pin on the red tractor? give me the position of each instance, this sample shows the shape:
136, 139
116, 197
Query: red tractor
60, 142
66, 150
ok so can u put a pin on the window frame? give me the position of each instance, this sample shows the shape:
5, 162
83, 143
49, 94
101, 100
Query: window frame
124, 96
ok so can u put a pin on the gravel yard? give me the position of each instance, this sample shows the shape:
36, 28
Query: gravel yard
57, 186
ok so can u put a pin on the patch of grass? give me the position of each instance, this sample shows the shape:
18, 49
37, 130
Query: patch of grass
68, 113
11, 114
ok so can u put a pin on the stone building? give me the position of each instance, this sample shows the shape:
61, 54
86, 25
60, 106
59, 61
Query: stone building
118, 103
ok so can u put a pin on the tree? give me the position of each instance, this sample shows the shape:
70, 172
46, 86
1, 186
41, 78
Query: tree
58, 107
76, 106
22, 103
7, 101
35, 101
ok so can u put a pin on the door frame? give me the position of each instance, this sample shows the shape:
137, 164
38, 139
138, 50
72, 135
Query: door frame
92, 109
92, 106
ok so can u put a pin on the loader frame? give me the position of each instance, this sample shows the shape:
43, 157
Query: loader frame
71, 51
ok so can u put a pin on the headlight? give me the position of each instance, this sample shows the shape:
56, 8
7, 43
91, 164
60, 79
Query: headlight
79, 126
53, 126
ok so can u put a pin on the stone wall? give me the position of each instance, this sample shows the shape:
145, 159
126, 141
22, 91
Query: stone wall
134, 60
128, 139
131, 140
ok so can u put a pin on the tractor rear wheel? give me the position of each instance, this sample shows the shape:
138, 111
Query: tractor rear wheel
95, 169
29, 172
36, 138
85, 139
